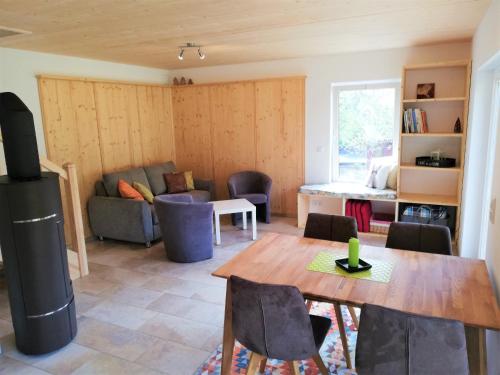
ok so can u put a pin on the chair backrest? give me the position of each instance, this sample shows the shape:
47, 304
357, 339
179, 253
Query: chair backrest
186, 226
247, 182
426, 238
271, 320
331, 227
394, 342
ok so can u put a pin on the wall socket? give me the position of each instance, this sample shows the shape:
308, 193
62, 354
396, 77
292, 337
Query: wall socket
493, 208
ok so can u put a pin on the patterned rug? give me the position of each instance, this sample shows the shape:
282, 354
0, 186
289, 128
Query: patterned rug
331, 351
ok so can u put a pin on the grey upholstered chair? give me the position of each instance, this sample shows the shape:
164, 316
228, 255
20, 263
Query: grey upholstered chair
186, 227
256, 188
272, 322
340, 229
425, 238
393, 342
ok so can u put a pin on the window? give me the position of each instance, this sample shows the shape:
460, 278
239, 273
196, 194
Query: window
365, 118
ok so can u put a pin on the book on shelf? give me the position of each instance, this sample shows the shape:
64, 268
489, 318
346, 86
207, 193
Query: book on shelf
415, 121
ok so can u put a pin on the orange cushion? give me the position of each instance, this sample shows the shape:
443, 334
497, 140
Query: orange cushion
127, 191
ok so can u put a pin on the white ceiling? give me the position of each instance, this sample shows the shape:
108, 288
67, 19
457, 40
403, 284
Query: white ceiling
147, 32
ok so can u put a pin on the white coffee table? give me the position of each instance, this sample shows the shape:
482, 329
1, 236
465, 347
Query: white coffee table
233, 206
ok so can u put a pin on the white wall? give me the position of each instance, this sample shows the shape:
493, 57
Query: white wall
486, 59
321, 71
19, 68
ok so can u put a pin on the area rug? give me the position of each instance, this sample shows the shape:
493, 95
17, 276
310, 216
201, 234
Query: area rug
331, 351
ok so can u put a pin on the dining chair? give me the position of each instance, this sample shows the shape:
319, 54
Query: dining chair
394, 342
340, 229
272, 322
426, 238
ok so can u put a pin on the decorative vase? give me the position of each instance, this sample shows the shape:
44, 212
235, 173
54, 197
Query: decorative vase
458, 126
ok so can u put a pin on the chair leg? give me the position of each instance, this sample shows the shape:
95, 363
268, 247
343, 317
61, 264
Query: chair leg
309, 304
321, 365
353, 316
254, 362
294, 367
343, 336
262, 367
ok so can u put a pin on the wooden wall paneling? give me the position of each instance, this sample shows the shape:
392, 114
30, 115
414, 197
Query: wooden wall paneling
59, 141
71, 132
113, 126
232, 108
269, 141
192, 126
167, 138
293, 136
134, 126
88, 162
155, 116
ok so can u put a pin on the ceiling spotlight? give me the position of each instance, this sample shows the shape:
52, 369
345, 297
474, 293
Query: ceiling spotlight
201, 54
188, 45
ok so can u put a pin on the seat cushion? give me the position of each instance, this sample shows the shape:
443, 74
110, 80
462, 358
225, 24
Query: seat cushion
253, 198
155, 174
320, 326
110, 180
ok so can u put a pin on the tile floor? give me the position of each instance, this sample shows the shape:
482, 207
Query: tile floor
139, 313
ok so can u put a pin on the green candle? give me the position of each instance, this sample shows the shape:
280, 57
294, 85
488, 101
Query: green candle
353, 252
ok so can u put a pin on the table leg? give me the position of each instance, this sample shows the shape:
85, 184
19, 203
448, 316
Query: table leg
476, 350
254, 224
228, 338
244, 216
217, 229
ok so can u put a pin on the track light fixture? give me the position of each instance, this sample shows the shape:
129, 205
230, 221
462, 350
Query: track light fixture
201, 54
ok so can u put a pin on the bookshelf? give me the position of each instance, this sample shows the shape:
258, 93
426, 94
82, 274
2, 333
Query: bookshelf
427, 185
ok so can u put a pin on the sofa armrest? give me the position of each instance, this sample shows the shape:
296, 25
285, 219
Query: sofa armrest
207, 185
121, 219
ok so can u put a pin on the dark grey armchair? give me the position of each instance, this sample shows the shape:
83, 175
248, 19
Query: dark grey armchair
186, 227
394, 342
256, 188
272, 322
426, 238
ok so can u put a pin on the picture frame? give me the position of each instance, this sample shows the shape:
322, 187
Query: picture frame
425, 90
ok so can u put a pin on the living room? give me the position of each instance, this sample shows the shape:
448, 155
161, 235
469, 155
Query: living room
207, 167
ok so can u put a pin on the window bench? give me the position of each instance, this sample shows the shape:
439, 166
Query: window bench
331, 198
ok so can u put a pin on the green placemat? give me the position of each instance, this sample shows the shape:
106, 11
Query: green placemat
325, 262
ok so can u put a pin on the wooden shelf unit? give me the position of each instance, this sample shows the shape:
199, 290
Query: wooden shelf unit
427, 185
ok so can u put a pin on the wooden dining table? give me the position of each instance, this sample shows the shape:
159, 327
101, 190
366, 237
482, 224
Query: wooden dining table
434, 285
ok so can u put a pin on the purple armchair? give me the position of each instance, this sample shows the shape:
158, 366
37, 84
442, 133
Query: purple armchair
256, 188
186, 227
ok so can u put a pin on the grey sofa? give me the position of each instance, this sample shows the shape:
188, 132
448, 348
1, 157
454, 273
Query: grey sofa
130, 220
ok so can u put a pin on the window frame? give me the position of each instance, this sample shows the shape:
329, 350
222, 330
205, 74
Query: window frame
336, 88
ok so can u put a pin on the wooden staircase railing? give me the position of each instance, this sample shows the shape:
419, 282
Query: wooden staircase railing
69, 176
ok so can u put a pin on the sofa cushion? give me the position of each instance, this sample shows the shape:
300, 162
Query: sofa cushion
176, 182
155, 176
197, 195
127, 191
110, 180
